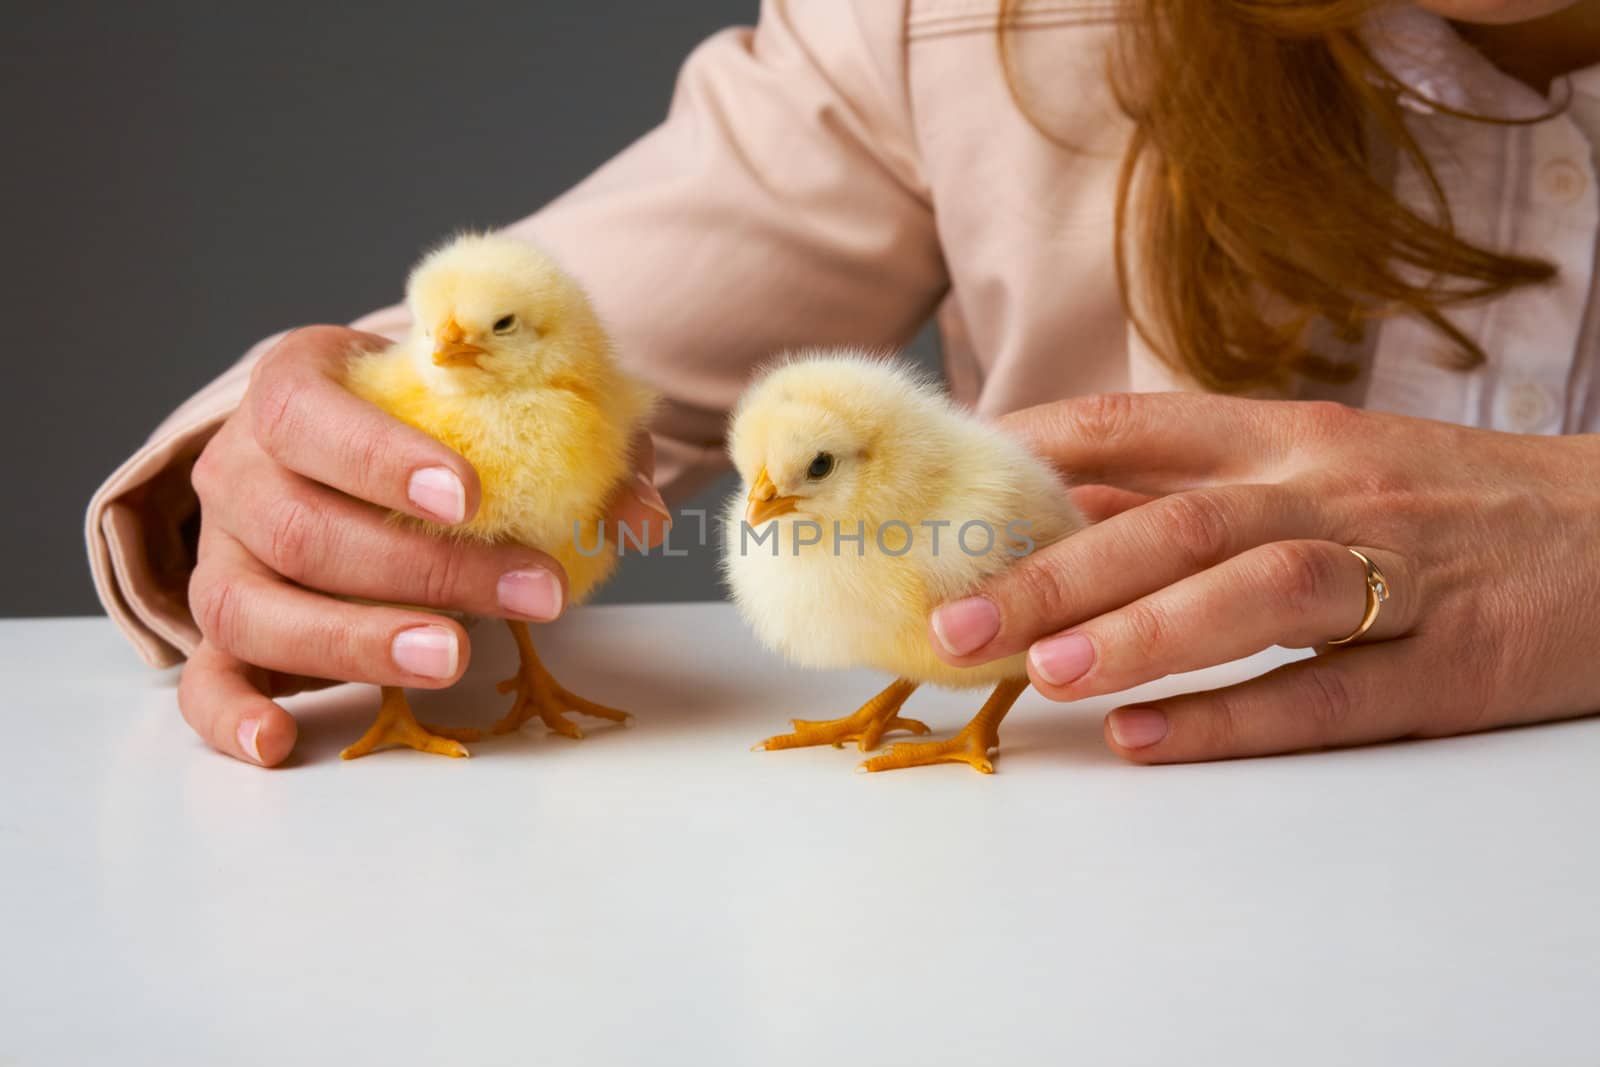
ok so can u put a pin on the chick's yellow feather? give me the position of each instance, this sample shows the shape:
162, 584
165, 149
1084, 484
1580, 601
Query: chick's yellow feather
542, 412
917, 503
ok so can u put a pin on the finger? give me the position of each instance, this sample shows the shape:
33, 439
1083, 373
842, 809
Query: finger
302, 416
1100, 502
1353, 696
245, 611
223, 700
1290, 593
335, 543
1113, 563
1167, 442
637, 511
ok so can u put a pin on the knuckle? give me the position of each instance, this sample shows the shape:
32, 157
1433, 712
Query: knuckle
372, 454
303, 340
1103, 418
1039, 591
274, 405
1223, 715
1196, 523
218, 603
349, 653
293, 537
1147, 630
441, 575
1329, 419
1326, 701
1374, 482
1299, 576
204, 477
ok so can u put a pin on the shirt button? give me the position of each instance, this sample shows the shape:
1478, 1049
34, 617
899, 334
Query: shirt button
1528, 407
1562, 180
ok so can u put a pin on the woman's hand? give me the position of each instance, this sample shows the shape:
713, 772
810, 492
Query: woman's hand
1490, 543
295, 491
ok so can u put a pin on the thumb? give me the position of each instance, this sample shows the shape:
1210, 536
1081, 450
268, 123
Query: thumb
223, 699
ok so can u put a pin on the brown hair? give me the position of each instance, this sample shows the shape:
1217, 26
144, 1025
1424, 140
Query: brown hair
1249, 184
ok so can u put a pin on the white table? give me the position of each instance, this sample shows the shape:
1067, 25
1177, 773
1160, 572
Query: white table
662, 894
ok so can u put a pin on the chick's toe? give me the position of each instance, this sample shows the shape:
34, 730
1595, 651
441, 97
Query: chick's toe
866, 726
395, 725
971, 746
540, 696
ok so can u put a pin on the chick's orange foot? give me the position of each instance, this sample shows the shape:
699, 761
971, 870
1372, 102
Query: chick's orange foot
971, 746
866, 726
837, 732
540, 696
395, 725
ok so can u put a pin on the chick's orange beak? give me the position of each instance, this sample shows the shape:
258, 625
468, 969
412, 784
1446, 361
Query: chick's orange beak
765, 503
451, 348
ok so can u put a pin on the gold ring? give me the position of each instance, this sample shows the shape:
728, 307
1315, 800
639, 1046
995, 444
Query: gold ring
1377, 593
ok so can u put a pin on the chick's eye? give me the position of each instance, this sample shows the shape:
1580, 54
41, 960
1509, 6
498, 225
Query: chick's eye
820, 467
506, 324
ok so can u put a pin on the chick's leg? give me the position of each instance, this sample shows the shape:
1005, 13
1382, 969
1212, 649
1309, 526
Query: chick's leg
539, 694
971, 746
869, 723
395, 725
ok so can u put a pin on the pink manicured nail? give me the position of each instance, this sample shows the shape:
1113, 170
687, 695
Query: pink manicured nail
1062, 660
429, 651
650, 496
1138, 727
966, 625
249, 730
439, 492
533, 594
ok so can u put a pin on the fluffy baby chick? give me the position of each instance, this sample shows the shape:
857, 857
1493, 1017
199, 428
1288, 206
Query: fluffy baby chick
508, 364
878, 500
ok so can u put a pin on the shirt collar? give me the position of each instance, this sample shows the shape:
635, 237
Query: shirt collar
1428, 57
1586, 81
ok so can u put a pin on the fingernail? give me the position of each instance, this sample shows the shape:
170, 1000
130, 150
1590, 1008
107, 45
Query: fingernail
249, 730
1062, 660
650, 496
429, 651
533, 594
440, 493
1138, 727
966, 625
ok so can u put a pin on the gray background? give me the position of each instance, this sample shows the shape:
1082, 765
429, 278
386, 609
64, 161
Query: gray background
184, 179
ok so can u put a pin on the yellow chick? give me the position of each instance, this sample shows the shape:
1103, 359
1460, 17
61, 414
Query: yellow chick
508, 364
870, 500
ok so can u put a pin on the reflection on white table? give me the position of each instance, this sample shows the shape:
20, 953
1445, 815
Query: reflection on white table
662, 894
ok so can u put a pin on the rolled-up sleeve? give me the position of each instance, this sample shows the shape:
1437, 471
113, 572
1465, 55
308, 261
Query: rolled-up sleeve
780, 205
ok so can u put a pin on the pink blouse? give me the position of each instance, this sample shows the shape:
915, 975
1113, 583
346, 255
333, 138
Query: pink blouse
848, 168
